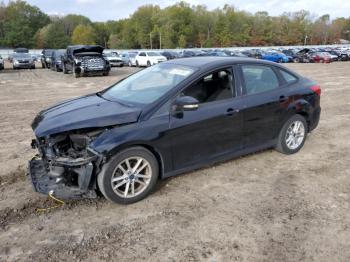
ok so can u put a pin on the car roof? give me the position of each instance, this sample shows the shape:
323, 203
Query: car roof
211, 61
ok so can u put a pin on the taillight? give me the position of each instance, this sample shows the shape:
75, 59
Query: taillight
316, 89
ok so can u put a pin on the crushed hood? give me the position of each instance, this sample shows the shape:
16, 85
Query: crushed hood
83, 112
88, 49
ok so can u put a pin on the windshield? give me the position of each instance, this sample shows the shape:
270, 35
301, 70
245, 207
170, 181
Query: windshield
22, 56
153, 54
132, 55
110, 54
59, 54
146, 86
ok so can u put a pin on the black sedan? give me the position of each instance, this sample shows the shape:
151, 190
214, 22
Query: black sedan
168, 119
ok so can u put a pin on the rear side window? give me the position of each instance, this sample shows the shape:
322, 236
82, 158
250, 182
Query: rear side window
258, 79
289, 78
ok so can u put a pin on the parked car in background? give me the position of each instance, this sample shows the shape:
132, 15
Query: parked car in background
148, 58
253, 53
113, 59
46, 56
275, 57
235, 53
341, 56
85, 60
35, 57
2, 63
304, 56
170, 55
23, 61
321, 57
169, 119
10, 57
56, 60
129, 58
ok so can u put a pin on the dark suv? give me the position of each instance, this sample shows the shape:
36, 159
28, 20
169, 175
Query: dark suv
56, 60
46, 56
85, 60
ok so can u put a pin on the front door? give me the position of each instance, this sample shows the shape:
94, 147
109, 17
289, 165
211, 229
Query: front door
215, 128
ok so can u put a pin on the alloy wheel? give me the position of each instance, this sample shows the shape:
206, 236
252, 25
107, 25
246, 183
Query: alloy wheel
131, 177
295, 134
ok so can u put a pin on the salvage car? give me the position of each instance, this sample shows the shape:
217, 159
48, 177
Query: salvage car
168, 119
148, 58
22, 61
85, 60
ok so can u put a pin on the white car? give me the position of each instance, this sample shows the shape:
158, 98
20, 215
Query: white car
148, 58
114, 59
1, 63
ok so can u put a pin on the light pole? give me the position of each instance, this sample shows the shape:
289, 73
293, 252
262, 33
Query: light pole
160, 40
306, 37
150, 39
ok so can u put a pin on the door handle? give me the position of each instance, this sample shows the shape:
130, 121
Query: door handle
283, 99
231, 111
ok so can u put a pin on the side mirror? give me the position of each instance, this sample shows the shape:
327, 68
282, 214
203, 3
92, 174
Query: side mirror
186, 103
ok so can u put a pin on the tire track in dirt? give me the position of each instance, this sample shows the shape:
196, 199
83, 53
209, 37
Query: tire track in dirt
11, 216
287, 213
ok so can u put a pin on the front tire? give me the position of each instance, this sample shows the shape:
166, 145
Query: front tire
129, 176
292, 135
137, 64
75, 74
64, 69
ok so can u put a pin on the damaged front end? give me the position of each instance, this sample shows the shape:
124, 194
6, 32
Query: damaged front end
65, 165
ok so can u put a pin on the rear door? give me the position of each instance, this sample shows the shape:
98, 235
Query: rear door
263, 101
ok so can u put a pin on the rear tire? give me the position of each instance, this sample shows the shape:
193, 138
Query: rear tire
291, 138
137, 64
148, 63
136, 180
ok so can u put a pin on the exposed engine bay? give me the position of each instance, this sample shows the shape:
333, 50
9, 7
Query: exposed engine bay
66, 164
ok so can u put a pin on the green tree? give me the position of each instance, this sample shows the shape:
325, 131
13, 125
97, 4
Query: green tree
71, 21
101, 33
83, 35
21, 23
52, 36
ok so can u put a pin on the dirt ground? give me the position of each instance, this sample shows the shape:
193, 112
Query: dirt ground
262, 207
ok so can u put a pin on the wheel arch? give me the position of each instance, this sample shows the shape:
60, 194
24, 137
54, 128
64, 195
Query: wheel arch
147, 146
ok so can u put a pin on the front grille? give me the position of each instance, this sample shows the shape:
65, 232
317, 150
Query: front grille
93, 63
23, 61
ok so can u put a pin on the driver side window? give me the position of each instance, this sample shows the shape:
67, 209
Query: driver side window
215, 86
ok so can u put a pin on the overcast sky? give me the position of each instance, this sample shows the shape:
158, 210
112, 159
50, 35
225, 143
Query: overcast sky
102, 10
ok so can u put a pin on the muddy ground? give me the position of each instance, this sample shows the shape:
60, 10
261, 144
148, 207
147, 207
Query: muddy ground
262, 207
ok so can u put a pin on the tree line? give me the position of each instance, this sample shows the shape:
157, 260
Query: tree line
179, 25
